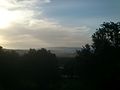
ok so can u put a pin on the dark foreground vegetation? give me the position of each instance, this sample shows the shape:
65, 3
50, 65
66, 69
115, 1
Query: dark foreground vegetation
95, 67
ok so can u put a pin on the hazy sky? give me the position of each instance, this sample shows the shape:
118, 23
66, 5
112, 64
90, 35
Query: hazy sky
53, 23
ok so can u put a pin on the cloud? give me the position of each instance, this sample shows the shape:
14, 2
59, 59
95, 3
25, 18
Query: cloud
52, 36
33, 30
47, 1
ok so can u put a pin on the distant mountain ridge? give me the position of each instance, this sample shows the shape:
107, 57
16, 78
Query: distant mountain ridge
59, 51
64, 51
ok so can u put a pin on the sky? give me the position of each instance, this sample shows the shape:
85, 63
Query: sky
53, 23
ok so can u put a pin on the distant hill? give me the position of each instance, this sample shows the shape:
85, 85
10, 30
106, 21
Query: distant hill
59, 51
64, 51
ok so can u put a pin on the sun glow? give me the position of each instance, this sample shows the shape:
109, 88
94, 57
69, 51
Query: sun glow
6, 18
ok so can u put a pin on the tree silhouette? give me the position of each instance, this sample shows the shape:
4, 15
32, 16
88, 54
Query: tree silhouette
98, 64
40, 67
106, 44
108, 35
85, 51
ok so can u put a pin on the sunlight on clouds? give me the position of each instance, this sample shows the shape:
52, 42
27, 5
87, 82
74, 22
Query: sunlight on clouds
11, 12
24, 41
7, 18
23, 25
43, 24
3, 41
6, 3
23, 12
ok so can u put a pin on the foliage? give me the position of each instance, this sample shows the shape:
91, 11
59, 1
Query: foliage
36, 69
101, 66
107, 36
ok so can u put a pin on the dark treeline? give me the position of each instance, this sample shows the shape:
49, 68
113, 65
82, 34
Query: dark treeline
95, 67
35, 70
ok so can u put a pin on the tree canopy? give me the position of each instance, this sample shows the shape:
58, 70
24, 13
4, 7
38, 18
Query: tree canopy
108, 35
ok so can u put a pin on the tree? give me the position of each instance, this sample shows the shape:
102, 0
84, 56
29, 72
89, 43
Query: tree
98, 63
108, 35
40, 67
85, 51
106, 43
